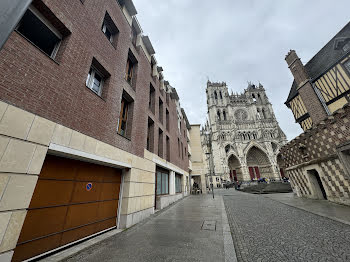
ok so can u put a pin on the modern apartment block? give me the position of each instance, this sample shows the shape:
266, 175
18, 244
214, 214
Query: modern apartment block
91, 135
317, 161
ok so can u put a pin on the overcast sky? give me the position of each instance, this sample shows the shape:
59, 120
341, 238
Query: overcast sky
237, 41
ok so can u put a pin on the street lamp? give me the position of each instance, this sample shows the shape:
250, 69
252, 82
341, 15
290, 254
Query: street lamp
210, 154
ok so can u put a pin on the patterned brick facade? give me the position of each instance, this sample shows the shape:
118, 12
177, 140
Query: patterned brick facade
318, 149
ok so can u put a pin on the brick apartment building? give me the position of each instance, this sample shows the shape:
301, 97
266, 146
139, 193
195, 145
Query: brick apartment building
317, 161
91, 135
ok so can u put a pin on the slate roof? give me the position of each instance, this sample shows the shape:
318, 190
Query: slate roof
330, 54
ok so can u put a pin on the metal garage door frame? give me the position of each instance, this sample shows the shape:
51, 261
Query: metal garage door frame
58, 150
62, 151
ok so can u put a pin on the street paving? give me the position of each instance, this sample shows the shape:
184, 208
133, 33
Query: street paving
267, 230
190, 230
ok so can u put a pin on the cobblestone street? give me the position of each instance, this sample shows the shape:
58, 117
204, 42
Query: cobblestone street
266, 230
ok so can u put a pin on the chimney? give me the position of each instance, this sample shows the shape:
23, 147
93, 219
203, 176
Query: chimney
297, 68
313, 105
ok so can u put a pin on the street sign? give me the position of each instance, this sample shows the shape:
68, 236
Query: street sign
88, 186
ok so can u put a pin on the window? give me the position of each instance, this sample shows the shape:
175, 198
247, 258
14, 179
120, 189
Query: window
182, 150
162, 182
130, 70
347, 65
151, 101
224, 114
133, 36
161, 110
215, 95
150, 135
160, 143
178, 146
125, 116
167, 119
217, 179
95, 81
220, 95
110, 30
40, 32
178, 184
218, 113
167, 149
167, 98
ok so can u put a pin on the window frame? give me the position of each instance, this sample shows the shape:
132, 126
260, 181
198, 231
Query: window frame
121, 118
89, 81
178, 183
104, 29
162, 175
47, 23
131, 74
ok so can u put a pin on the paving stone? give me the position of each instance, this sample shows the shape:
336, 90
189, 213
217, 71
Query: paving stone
266, 230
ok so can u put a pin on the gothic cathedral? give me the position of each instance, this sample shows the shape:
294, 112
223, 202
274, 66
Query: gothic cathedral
244, 134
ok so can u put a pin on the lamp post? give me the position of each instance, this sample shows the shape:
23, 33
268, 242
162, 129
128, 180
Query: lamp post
211, 162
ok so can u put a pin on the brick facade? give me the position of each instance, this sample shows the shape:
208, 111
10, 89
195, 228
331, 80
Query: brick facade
46, 109
55, 89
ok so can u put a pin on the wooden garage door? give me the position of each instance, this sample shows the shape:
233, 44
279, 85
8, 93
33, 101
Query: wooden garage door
72, 200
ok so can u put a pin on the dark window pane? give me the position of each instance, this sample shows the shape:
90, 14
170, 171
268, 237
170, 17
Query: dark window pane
159, 183
38, 33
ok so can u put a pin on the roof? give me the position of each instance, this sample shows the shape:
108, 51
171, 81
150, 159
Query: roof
129, 6
148, 45
330, 54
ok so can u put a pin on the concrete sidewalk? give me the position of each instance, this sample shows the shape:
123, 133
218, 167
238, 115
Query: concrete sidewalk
323, 208
193, 229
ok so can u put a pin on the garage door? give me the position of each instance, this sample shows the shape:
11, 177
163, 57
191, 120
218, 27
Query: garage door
72, 200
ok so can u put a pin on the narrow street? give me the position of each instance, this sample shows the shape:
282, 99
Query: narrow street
262, 230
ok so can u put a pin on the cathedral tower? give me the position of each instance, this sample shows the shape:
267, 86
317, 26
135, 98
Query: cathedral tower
245, 135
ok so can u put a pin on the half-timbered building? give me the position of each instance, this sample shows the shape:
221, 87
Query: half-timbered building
317, 160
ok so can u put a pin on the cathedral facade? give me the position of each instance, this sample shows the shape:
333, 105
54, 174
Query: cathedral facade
242, 134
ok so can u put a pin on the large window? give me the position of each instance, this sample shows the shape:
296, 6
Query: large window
125, 116
162, 182
178, 184
150, 135
130, 71
160, 111
151, 99
40, 32
160, 143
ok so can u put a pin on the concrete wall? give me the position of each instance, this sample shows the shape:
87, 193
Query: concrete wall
25, 140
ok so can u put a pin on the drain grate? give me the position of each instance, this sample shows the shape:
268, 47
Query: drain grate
209, 225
